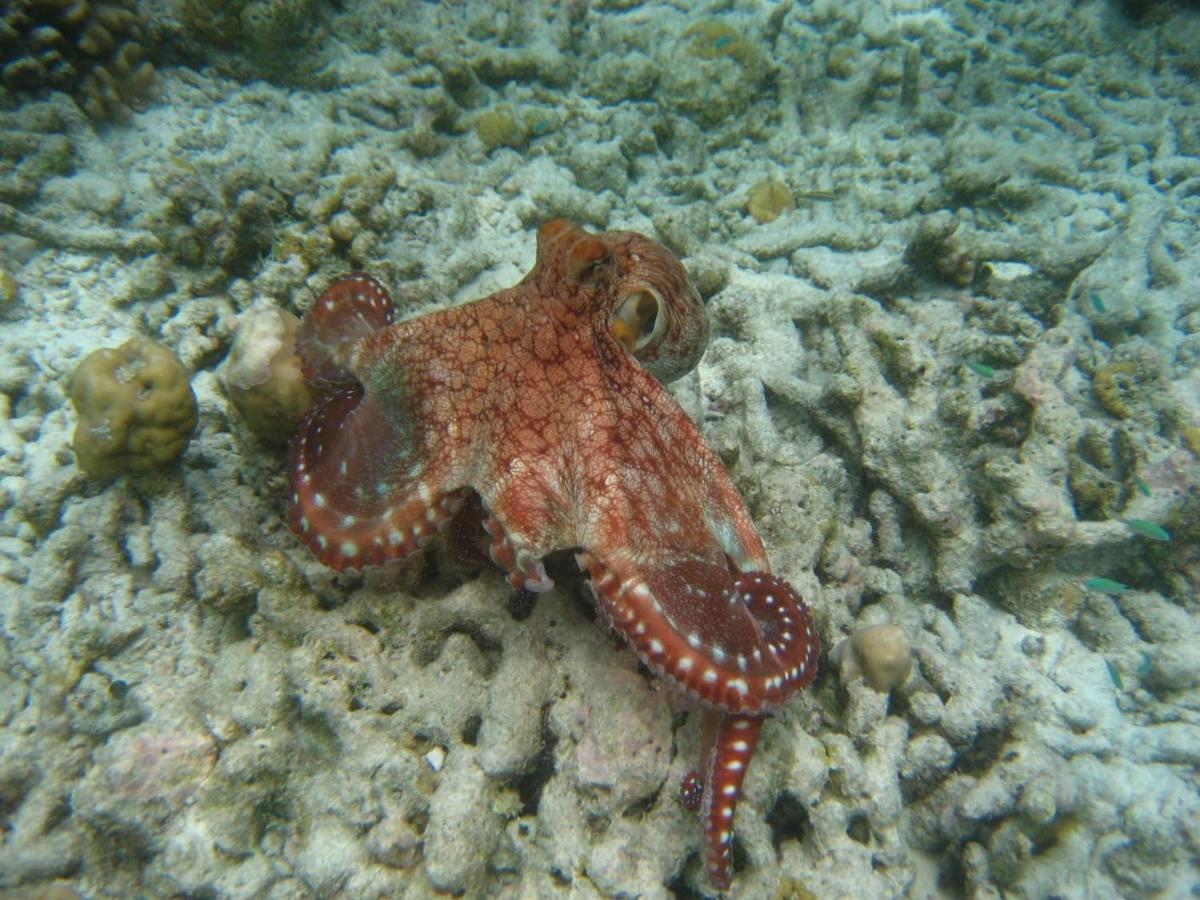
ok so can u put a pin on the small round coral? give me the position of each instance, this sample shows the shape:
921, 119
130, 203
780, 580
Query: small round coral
136, 409
879, 653
768, 200
262, 374
499, 128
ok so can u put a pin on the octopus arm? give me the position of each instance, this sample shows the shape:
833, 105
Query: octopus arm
727, 518
676, 564
657, 437
528, 516
741, 642
370, 480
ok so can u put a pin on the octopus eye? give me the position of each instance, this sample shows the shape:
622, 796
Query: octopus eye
637, 320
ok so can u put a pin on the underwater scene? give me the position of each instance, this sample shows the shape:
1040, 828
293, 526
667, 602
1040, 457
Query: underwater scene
599, 449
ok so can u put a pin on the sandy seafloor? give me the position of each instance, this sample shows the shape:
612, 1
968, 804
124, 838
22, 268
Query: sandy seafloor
193, 706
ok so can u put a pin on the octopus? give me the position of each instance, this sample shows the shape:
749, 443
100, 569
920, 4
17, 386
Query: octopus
542, 408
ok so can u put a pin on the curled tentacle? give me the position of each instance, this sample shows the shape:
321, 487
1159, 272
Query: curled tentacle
740, 644
349, 310
364, 488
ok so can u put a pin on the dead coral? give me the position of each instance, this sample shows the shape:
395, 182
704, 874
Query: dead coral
262, 374
937, 251
1116, 387
93, 50
713, 73
125, 241
222, 226
264, 35
35, 147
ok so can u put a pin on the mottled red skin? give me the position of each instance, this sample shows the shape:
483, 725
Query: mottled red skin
539, 399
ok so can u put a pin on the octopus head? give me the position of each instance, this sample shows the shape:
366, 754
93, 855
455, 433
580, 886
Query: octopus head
642, 295
654, 309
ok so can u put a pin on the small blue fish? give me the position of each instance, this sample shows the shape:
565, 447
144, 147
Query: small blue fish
1141, 485
1098, 303
1114, 674
1148, 529
1105, 586
981, 369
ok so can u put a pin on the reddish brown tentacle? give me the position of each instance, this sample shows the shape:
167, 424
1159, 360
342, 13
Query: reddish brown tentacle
724, 767
742, 645
349, 310
360, 496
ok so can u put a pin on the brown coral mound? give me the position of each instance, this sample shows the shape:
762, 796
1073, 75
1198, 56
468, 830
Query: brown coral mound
91, 49
136, 409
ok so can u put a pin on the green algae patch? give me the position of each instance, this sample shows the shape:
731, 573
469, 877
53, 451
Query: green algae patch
1116, 386
768, 200
716, 39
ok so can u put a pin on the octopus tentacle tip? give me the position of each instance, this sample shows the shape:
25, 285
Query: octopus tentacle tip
349, 310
